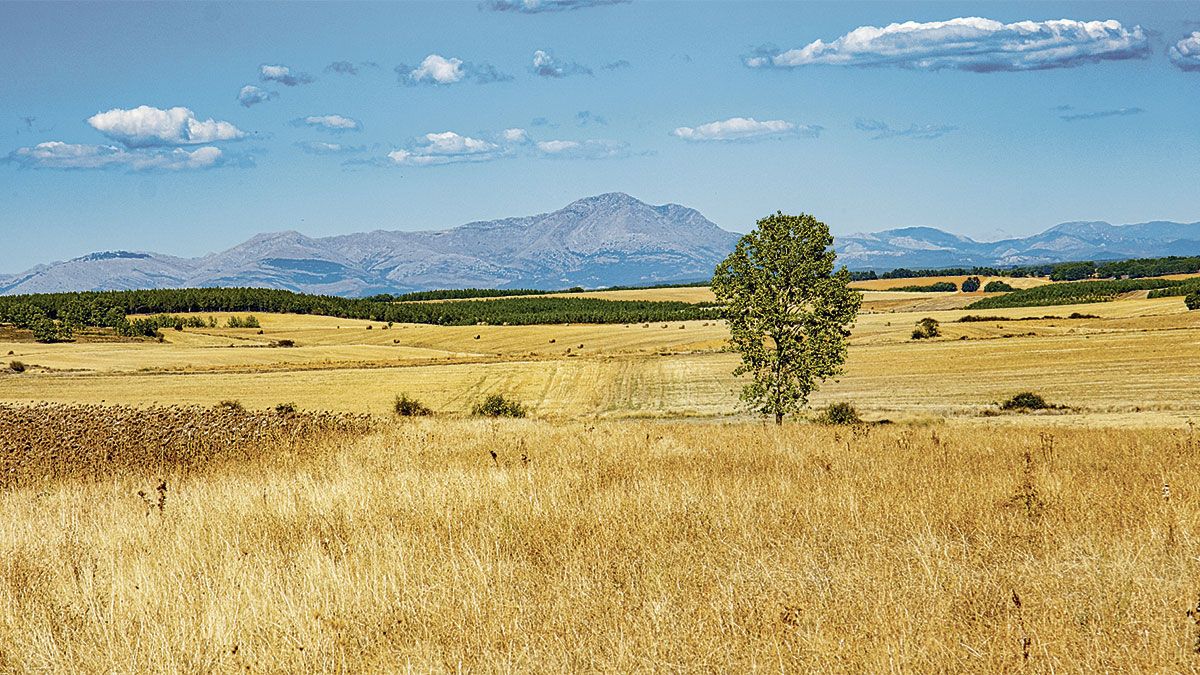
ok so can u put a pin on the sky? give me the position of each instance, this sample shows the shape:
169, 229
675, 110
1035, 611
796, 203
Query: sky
186, 128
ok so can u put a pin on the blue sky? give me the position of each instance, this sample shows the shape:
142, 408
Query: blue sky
131, 126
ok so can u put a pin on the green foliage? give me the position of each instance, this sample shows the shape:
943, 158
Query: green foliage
926, 328
1070, 293
839, 413
938, 287
970, 284
996, 286
16, 366
496, 405
513, 311
47, 330
789, 312
1073, 271
1026, 401
410, 407
1192, 301
243, 322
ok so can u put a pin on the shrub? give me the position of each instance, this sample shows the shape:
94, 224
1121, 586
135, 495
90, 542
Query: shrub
16, 367
839, 413
1025, 401
1193, 301
230, 405
285, 408
997, 287
410, 407
496, 405
926, 328
970, 284
939, 287
284, 343
247, 322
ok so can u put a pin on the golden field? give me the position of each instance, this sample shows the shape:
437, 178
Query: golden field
621, 547
1133, 365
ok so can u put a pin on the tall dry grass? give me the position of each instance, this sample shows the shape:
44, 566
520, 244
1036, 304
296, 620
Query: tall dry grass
623, 547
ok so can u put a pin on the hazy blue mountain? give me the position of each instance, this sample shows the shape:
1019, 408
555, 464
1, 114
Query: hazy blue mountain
606, 240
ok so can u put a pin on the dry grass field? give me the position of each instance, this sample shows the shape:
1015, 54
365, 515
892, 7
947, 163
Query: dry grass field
620, 547
1135, 364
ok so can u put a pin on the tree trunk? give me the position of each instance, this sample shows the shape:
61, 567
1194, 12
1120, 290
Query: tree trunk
778, 418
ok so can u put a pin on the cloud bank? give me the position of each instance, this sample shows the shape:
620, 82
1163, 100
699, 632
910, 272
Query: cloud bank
744, 129
449, 147
445, 148
538, 6
1185, 54
971, 44
323, 148
283, 75
59, 155
144, 126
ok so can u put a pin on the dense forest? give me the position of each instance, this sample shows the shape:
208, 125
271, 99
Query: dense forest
1074, 292
1135, 268
54, 315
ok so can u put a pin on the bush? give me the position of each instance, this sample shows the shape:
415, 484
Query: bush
285, 408
16, 367
230, 405
839, 413
410, 407
997, 287
970, 284
1025, 401
926, 328
496, 405
284, 343
248, 322
1193, 301
939, 287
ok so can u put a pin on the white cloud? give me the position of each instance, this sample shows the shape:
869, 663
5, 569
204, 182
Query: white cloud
971, 43
145, 126
283, 75
59, 155
444, 148
744, 128
536, 6
589, 149
519, 136
334, 123
1185, 54
252, 95
546, 65
438, 69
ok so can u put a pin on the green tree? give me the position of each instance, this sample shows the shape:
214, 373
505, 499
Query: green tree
789, 312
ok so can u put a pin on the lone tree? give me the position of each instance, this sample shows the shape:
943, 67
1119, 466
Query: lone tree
789, 312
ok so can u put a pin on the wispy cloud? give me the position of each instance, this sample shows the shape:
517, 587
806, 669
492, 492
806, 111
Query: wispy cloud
69, 156
546, 65
879, 130
587, 149
449, 147
283, 75
616, 65
251, 95
745, 129
971, 43
323, 148
342, 68
331, 123
585, 117
537, 6
145, 126
1119, 112
1185, 54
445, 148
438, 69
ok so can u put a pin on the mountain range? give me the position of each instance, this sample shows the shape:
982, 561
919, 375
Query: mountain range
607, 240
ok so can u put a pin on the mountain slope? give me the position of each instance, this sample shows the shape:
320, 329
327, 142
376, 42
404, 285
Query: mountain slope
605, 240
